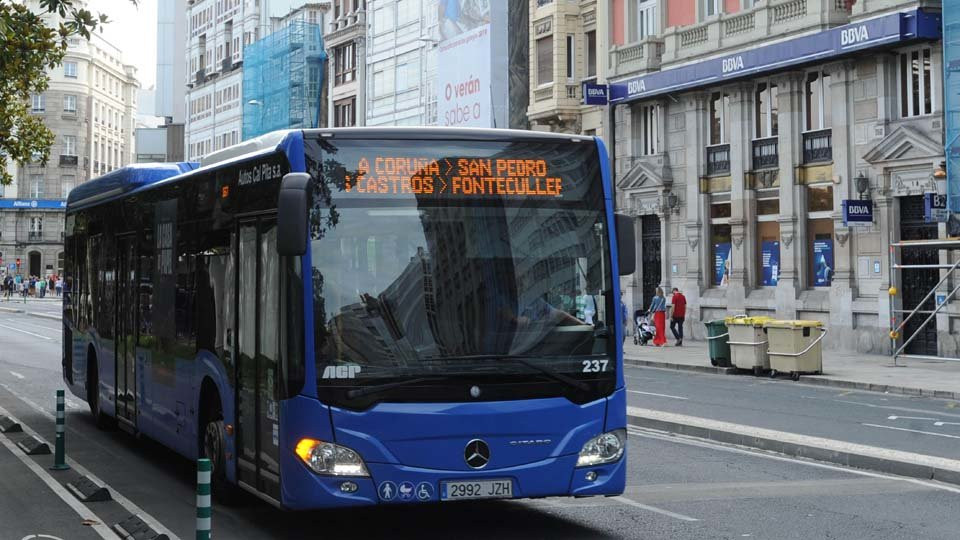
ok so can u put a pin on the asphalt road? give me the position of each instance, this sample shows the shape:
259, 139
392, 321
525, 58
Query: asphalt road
913, 424
678, 488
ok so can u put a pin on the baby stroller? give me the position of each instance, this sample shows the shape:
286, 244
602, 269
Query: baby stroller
643, 329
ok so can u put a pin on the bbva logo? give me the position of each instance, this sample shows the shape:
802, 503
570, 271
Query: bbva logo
855, 35
634, 87
596, 91
860, 209
732, 64
341, 372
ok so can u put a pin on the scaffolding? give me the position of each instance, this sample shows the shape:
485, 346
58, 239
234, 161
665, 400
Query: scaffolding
899, 337
282, 80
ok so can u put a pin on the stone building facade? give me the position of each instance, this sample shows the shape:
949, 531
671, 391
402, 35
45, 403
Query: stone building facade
345, 40
90, 105
742, 132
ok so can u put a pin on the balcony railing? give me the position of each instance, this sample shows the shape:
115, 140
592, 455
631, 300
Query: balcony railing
765, 155
718, 159
68, 160
35, 236
818, 146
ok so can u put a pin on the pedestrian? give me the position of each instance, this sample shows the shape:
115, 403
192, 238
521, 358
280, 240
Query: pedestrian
41, 288
25, 290
658, 306
678, 313
59, 286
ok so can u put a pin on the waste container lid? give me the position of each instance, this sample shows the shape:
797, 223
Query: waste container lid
793, 324
748, 321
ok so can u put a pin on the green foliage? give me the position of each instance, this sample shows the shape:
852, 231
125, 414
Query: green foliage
28, 49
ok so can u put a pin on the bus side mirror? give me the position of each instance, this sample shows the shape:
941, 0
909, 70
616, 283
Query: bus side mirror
626, 245
292, 214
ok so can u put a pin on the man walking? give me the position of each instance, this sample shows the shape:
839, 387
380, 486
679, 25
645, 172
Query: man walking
677, 315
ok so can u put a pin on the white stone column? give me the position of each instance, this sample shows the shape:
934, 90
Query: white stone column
789, 149
740, 222
696, 226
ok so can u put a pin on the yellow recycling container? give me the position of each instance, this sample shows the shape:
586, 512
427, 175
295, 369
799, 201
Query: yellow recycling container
748, 342
795, 347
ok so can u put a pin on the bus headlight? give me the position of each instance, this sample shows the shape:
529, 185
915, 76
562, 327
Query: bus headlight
328, 458
604, 448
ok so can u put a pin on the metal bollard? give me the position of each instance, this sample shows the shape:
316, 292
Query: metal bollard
59, 453
204, 510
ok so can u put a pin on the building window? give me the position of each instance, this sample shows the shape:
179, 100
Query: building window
647, 125
39, 103
345, 64
70, 103
70, 145
383, 83
711, 7
408, 11
820, 198
820, 250
383, 19
344, 113
70, 69
720, 239
591, 54
817, 102
408, 71
645, 16
768, 202
36, 186
66, 184
719, 103
545, 60
36, 227
768, 237
918, 82
766, 110
571, 56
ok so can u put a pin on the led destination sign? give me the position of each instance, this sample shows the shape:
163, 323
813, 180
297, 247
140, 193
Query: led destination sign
453, 177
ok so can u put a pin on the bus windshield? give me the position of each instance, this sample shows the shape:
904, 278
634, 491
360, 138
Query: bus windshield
443, 270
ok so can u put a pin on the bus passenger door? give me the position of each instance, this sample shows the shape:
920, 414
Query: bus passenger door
126, 335
258, 314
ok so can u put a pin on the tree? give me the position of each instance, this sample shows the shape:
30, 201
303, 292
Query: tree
28, 49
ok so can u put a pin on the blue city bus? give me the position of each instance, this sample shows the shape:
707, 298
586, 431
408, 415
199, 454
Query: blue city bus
343, 317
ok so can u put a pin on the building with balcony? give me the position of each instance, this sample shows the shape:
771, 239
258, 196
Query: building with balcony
345, 38
90, 106
742, 127
568, 48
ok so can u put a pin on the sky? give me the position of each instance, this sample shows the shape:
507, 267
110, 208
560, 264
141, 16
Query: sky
133, 29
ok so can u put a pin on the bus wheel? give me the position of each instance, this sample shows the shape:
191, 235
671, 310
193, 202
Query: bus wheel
214, 449
102, 421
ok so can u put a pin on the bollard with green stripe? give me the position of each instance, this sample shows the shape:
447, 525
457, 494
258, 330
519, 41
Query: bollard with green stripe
204, 510
59, 453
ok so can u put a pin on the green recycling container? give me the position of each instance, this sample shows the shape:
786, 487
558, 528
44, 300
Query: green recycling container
717, 339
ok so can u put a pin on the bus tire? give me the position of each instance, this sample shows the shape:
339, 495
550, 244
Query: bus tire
213, 447
101, 420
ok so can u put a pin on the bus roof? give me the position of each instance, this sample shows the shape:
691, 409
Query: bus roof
125, 179
445, 133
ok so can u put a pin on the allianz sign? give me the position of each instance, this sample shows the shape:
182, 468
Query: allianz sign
852, 36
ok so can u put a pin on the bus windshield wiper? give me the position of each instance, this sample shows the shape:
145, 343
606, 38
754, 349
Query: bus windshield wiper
523, 360
377, 388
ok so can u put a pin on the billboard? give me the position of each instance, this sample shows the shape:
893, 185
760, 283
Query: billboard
822, 261
770, 262
464, 75
721, 264
951, 94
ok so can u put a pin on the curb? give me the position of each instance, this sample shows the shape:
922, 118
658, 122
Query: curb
828, 450
804, 379
45, 316
10, 310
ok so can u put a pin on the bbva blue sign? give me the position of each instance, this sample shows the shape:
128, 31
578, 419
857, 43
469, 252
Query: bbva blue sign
857, 212
595, 94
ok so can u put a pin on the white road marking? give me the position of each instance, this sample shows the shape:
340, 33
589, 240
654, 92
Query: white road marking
55, 486
909, 418
702, 443
117, 496
890, 407
913, 431
657, 395
946, 423
654, 509
25, 332
17, 375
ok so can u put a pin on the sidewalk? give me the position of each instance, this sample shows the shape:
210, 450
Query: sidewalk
940, 379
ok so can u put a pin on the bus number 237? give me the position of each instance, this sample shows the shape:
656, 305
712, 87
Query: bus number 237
594, 366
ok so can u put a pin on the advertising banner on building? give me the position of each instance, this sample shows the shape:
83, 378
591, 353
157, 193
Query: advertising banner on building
464, 97
822, 262
951, 97
721, 263
770, 263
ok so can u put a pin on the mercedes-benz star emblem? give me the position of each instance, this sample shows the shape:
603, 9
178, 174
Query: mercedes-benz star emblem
477, 454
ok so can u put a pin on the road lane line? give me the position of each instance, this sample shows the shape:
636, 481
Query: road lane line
17, 375
83, 511
25, 332
126, 503
890, 407
913, 431
657, 395
654, 509
703, 443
